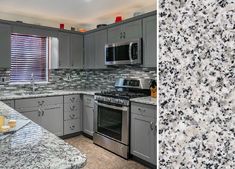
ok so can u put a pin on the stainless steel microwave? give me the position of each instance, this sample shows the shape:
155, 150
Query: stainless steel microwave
122, 53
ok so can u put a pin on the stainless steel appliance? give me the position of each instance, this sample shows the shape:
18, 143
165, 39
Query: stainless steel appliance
112, 114
129, 52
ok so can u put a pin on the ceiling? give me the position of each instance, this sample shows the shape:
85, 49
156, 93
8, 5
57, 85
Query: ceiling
77, 13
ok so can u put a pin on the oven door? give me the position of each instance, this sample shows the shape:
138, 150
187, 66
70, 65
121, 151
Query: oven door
112, 122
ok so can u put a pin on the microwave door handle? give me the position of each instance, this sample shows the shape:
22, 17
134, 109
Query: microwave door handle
130, 51
112, 107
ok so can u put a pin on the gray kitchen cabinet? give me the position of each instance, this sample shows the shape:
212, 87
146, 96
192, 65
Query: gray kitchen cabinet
100, 41
52, 119
132, 30
33, 115
10, 103
64, 50
125, 32
76, 51
143, 132
115, 34
5, 46
46, 112
150, 41
72, 126
89, 53
88, 112
72, 114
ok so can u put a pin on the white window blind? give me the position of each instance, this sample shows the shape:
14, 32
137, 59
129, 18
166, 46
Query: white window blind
29, 55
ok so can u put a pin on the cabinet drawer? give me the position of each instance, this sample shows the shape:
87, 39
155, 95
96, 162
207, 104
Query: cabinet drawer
35, 102
72, 126
143, 109
88, 100
71, 111
72, 99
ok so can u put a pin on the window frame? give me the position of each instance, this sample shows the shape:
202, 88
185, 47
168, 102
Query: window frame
47, 62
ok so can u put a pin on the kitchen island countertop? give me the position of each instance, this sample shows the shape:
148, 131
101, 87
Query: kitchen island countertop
34, 147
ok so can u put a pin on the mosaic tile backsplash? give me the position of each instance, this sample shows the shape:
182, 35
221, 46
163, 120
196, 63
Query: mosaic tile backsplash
197, 77
82, 79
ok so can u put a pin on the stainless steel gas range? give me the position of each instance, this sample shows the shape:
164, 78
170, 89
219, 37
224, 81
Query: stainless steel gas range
112, 114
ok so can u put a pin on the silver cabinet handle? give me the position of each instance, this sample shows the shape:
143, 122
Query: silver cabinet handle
39, 112
124, 35
72, 127
142, 110
121, 35
72, 99
41, 103
72, 116
72, 108
151, 125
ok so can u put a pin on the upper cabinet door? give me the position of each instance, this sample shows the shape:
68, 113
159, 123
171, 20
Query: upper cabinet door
132, 30
100, 41
89, 55
5, 46
64, 50
125, 32
150, 41
76, 55
115, 34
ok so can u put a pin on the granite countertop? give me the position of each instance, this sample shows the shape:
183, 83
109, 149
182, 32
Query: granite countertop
34, 147
145, 100
18, 95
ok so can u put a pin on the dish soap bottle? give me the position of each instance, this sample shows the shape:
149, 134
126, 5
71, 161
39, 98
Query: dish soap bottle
153, 88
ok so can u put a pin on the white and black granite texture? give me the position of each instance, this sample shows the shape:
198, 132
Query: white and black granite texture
10, 95
34, 147
197, 76
145, 100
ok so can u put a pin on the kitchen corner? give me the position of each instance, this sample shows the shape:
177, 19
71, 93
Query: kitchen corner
35, 147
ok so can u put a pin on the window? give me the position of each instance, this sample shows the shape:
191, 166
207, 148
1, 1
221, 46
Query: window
29, 55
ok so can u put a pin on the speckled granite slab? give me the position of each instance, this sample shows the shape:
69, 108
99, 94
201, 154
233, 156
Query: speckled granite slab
197, 74
34, 147
8, 96
145, 100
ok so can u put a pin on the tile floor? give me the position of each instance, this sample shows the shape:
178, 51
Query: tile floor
99, 158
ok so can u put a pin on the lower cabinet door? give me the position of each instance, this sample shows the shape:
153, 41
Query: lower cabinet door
88, 120
52, 120
10, 103
33, 115
143, 138
72, 126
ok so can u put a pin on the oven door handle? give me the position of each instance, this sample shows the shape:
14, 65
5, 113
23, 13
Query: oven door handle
112, 107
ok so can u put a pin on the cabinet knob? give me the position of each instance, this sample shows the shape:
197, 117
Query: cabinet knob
124, 35
121, 35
